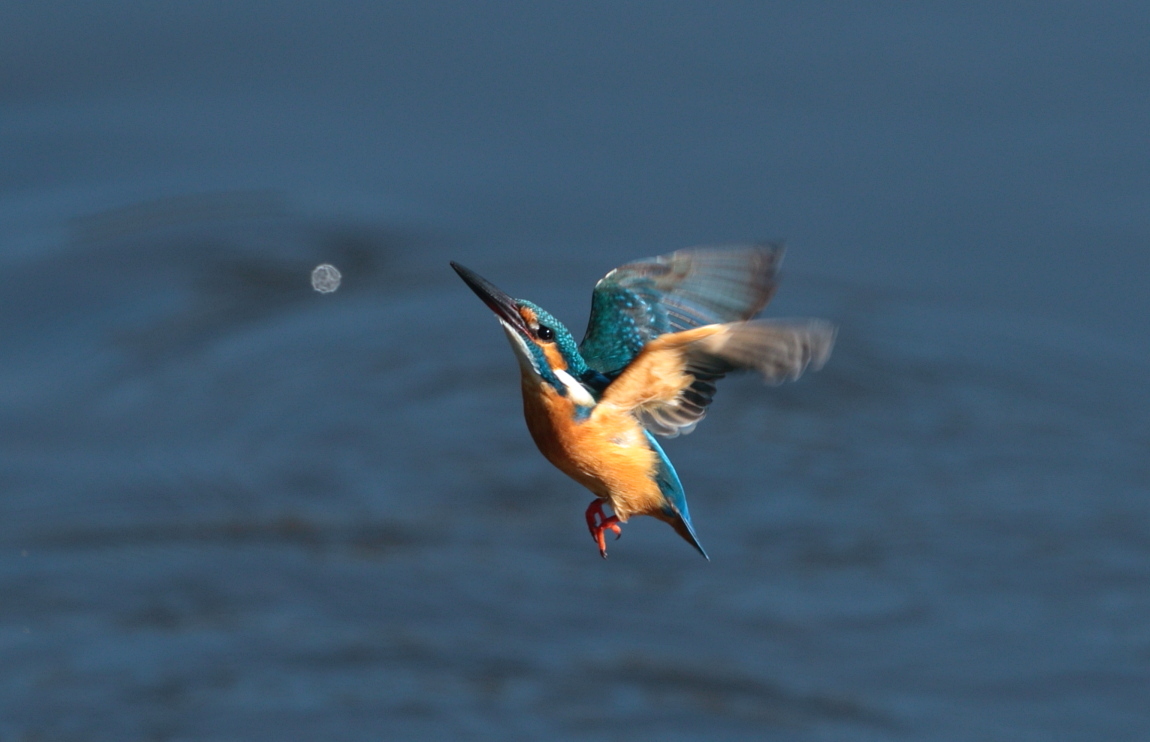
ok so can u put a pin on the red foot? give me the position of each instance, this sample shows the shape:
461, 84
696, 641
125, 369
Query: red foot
598, 522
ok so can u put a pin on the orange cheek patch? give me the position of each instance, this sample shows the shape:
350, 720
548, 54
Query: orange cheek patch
528, 316
554, 357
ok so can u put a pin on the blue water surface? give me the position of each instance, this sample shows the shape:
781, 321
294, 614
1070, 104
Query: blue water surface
236, 509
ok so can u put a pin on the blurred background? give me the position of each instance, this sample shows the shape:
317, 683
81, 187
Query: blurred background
236, 509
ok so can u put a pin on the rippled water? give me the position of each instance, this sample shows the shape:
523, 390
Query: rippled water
236, 508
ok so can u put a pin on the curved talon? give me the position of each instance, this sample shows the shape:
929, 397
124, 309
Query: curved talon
598, 522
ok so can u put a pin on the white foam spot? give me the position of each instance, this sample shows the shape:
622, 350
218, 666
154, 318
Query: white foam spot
325, 278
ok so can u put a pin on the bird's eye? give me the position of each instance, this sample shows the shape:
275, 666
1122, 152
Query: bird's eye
545, 333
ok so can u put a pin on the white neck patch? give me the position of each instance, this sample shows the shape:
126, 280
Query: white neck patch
578, 393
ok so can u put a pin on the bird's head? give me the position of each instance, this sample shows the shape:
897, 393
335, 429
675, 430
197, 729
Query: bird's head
544, 347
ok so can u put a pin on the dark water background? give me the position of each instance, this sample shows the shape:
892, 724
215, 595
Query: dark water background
235, 509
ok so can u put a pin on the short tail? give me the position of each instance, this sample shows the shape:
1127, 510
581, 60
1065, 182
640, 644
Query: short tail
683, 527
675, 510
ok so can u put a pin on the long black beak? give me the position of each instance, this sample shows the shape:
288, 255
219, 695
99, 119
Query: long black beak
500, 303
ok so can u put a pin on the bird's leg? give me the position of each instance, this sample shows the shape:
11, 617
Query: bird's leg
598, 522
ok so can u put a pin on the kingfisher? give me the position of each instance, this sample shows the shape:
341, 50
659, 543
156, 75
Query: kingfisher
662, 332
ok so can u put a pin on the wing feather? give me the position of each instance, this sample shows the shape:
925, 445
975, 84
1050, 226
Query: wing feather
639, 301
672, 381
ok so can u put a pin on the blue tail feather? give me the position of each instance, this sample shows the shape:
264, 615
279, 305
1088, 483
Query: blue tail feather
676, 507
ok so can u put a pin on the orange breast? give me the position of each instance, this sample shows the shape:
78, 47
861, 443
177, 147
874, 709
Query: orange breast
607, 452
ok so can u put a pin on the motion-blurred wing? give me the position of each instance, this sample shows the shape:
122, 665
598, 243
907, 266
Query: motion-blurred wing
637, 302
671, 382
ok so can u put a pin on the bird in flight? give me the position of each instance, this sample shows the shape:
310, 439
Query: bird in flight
662, 332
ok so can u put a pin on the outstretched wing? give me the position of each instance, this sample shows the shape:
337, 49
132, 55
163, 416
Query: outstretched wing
639, 301
670, 383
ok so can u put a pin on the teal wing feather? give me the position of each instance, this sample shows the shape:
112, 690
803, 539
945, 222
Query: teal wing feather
672, 489
689, 288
